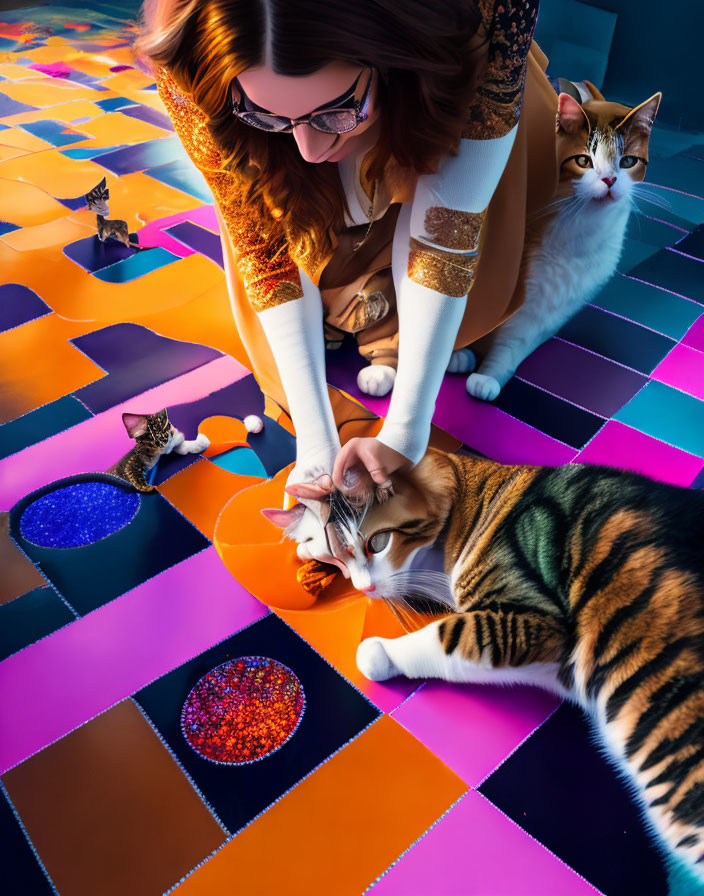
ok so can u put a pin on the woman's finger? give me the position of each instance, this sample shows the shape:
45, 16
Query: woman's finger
346, 458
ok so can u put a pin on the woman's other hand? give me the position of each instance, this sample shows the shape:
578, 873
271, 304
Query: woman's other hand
363, 461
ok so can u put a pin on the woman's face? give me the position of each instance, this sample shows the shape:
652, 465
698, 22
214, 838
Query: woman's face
296, 97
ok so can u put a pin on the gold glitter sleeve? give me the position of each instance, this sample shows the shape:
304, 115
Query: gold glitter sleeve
270, 276
496, 108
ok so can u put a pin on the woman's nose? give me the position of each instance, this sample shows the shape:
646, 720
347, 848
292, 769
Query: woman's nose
312, 144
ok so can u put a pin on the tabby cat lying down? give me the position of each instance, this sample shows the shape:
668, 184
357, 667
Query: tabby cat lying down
584, 580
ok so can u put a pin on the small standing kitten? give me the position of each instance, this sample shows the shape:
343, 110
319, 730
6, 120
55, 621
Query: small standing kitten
602, 150
97, 200
154, 436
585, 580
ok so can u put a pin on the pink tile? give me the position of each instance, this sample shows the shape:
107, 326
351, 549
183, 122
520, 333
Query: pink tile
695, 335
473, 728
153, 233
79, 671
96, 444
618, 445
683, 368
475, 850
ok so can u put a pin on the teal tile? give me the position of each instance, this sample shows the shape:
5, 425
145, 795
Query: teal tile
577, 62
660, 311
667, 414
136, 265
674, 271
646, 229
242, 461
660, 201
681, 172
634, 251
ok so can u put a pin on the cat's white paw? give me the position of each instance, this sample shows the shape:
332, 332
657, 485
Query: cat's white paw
377, 379
373, 661
200, 443
462, 361
483, 387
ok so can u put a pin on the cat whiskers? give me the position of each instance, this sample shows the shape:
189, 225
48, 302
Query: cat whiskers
640, 192
428, 589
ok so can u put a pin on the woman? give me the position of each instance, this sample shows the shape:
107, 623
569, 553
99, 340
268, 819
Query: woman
311, 117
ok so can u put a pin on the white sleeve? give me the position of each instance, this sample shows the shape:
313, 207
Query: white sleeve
294, 331
434, 254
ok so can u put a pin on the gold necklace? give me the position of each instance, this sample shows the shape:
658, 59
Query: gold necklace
370, 214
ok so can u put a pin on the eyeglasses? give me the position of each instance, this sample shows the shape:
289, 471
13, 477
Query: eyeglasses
344, 116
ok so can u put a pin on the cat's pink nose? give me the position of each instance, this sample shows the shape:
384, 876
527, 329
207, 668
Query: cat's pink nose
368, 589
609, 181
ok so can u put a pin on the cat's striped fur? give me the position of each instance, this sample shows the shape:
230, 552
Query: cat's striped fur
583, 579
96, 200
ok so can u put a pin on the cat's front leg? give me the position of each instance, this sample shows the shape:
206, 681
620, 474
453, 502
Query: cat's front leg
181, 445
417, 655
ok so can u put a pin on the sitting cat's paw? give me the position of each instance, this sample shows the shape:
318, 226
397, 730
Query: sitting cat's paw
483, 387
462, 361
373, 661
377, 379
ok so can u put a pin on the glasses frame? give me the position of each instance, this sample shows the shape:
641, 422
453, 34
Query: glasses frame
359, 107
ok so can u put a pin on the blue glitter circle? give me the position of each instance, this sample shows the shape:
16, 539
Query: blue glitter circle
78, 514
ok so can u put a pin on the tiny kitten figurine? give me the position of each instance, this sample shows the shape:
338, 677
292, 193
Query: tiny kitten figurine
97, 200
154, 436
585, 580
602, 152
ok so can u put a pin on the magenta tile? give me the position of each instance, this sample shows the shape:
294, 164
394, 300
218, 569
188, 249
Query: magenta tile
96, 444
695, 335
69, 677
618, 445
582, 377
153, 233
478, 424
475, 850
473, 728
683, 368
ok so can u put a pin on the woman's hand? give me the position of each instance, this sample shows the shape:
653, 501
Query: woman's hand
361, 462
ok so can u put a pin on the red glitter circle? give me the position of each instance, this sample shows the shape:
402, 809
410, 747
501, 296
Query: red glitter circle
243, 710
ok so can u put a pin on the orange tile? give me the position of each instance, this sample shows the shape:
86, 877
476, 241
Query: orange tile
224, 433
125, 83
15, 72
115, 128
16, 137
25, 205
340, 828
53, 172
43, 236
10, 152
45, 92
63, 112
201, 491
76, 295
39, 365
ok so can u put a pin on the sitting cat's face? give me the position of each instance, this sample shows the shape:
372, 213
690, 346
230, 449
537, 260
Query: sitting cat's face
602, 147
385, 546
97, 199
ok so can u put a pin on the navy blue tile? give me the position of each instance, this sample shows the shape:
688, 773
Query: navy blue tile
6, 227
618, 339
693, 243
93, 255
239, 399
22, 874
18, 304
546, 412
115, 102
675, 272
74, 204
136, 359
559, 788
157, 538
30, 617
240, 792
55, 132
151, 116
12, 107
41, 423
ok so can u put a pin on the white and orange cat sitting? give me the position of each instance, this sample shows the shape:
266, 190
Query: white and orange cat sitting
573, 246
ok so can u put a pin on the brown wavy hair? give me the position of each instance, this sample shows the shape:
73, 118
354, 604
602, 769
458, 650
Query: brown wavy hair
428, 78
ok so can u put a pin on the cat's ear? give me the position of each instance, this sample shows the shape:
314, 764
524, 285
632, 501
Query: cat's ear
570, 117
594, 91
310, 490
284, 518
642, 117
135, 424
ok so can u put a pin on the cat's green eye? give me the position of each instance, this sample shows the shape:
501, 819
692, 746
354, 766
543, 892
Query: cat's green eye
378, 541
583, 161
628, 161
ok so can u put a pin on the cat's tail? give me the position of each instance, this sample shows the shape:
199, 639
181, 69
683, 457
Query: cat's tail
137, 246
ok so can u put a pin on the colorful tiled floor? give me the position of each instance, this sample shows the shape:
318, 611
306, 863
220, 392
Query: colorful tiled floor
405, 789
